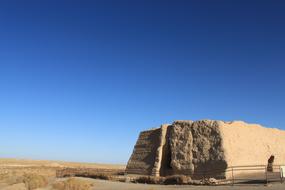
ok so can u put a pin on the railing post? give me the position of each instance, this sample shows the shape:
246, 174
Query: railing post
266, 175
204, 175
281, 173
233, 179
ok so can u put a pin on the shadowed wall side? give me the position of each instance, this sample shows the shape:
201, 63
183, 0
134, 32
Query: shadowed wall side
143, 157
158, 164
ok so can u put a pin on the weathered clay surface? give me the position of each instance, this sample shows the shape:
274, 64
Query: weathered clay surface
205, 148
252, 144
196, 147
181, 144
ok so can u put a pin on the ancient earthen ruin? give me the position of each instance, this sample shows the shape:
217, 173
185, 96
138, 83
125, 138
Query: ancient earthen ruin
204, 147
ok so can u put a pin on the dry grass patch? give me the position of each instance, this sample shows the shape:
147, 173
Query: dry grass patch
177, 180
4, 176
169, 180
95, 176
148, 180
34, 181
72, 184
19, 186
88, 172
31, 181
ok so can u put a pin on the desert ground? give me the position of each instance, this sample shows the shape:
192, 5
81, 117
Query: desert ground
109, 185
42, 175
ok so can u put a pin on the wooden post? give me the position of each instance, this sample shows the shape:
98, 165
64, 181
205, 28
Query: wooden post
280, 170
233, 179
204, 175
266, 175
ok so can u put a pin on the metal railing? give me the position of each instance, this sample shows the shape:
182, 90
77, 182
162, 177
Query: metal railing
244, 174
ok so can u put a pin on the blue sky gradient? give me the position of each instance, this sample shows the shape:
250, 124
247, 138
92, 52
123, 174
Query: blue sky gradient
80, 79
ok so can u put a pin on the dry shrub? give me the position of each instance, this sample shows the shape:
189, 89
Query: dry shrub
72, 184
103, 176
148, 180
19, 186
209, 181
3, 176
96, 176
169, 180
83, 173
31, 181
11, 178
14, 180
87, 172
120, 173
34, 181
177, 180
124, 179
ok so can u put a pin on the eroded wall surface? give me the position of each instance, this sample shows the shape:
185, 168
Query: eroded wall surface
196, 148
205, 148
181, 145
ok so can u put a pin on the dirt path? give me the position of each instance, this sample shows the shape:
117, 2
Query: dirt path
107, 185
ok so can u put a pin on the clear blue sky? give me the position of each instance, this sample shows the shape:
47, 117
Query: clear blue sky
80, 79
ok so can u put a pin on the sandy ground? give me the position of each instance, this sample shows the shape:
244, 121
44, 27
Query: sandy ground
13, 172
108, 185
47, 168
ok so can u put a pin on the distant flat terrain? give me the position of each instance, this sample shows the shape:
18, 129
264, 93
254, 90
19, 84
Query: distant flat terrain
7, 162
